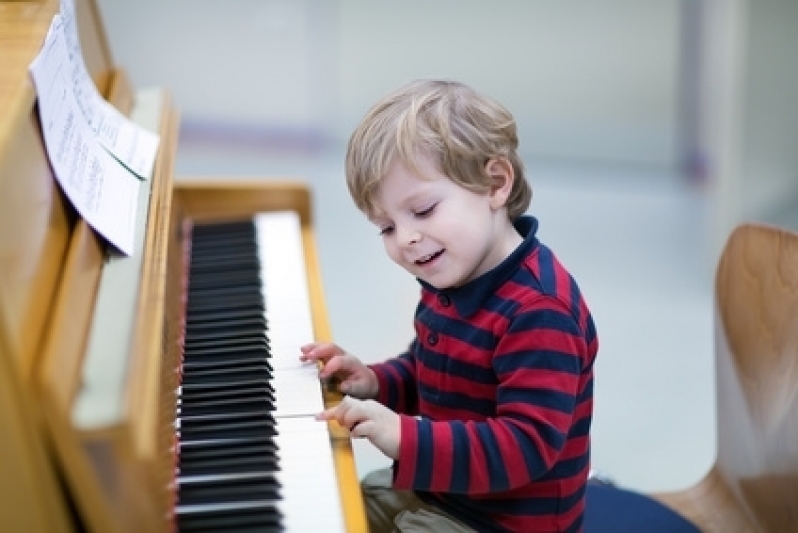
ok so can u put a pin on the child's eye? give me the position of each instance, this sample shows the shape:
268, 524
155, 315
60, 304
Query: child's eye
386, 231
426, 212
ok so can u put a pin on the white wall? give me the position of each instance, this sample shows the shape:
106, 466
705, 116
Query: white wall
261, 62
770, 108
591, 80
588, 80
606, 81
749, 103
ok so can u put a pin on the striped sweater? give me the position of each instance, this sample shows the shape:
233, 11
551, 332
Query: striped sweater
496, 393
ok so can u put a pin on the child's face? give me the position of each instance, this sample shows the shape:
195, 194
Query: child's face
439, 231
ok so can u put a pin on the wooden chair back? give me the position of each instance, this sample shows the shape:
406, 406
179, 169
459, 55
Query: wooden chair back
756, 342
753, 485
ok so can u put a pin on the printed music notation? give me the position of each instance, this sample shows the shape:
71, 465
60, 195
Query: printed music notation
134, 146
98, 155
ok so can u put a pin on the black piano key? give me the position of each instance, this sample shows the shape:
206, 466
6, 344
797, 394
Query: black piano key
254, 517
225, 344
219, 272
234, 487
211, 348
225, 281
218, 347
229, 424
228, 465
211, 315
204, 245
225, 446
228, 457
208, 349
192, 397
242, 389
234, 298
222, 323
214, 269
226, 359
231, 301
250, 405
207, 236
200, 336
218, 371
241, 462
254, 301
224, 376
224, 368
224, 393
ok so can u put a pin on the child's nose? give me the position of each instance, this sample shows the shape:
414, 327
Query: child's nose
408, 236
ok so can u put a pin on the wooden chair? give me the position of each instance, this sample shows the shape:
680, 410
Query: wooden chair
753, 485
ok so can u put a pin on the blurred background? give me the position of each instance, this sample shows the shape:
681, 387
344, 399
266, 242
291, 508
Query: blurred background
649, 130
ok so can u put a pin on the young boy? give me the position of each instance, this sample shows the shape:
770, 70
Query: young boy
487, 414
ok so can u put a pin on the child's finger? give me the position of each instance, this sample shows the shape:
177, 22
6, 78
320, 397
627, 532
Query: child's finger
327, 414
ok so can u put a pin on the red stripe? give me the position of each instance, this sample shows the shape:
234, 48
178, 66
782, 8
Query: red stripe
444, 448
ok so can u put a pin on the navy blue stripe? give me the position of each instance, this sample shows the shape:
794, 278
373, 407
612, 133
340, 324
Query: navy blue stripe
474, 336
404, 377
456, 328
537, 360
549, 398
587, 393
544, 319
581, 427
453, 367
568, 468
590, 335
535, 464
576, 299
455, 400
547, 278
425, 454
496, 469
461, 472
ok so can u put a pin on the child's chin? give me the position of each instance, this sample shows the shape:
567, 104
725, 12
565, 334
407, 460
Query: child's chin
440, 285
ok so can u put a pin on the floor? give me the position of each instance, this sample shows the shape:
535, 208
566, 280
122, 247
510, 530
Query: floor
635, 240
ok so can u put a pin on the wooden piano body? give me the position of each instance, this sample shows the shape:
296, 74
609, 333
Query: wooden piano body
58, 473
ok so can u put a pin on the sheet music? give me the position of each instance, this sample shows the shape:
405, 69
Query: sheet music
102, 190
134, 146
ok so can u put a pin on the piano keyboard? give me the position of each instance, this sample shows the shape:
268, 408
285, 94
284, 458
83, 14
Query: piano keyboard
251, 456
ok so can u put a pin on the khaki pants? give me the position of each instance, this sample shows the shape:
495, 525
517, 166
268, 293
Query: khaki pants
400, 511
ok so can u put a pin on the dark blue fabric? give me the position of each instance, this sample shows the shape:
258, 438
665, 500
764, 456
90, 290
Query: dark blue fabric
609, 509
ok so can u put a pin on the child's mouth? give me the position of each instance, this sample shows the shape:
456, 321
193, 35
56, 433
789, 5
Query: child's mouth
429, 258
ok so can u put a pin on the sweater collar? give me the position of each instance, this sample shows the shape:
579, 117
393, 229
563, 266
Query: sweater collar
469, 298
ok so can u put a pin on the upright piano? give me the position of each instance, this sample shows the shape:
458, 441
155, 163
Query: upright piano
160, 391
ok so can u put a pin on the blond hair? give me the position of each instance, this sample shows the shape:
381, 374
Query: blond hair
446, 120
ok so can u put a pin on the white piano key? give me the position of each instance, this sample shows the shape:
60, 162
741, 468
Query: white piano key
285, 290
297, 392
311, 501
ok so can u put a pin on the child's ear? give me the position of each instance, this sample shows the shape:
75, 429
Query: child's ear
502, 177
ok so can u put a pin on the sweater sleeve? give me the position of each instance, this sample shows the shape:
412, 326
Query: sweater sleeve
397, 382
538, 364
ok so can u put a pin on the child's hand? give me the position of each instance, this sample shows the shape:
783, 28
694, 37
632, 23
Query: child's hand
370, 419
356, 379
